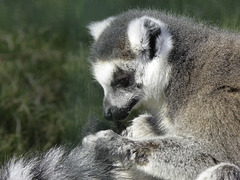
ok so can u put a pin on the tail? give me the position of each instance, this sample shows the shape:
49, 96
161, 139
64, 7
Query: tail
80, 163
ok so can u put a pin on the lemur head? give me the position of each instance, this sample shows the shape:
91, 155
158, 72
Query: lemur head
129, 60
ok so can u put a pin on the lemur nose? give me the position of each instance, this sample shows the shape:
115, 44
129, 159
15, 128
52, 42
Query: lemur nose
108, 114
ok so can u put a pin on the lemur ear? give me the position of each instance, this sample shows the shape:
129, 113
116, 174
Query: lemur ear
146, 36
153, 31
97, 28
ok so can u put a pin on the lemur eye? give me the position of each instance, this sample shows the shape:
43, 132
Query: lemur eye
124, 82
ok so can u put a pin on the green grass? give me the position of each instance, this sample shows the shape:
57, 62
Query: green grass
31, 96
47, 93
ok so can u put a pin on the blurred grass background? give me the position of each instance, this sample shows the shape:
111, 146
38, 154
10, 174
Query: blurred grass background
46, 90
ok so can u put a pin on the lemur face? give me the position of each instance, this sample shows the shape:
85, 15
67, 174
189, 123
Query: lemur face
122, 88
129, 60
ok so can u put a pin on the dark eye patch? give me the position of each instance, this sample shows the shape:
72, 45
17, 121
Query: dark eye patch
122, 79
124, 82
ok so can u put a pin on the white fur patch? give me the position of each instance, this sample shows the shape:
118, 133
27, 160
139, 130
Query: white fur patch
136, 32
103, 73
19, 171
156, 77
137, 35
209, 174
96, 28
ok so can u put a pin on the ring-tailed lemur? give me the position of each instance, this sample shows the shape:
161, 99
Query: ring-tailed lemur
187, 76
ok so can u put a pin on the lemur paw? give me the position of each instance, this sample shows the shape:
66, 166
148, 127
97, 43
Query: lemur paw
141, 127
101, 136
128, 132
119, 147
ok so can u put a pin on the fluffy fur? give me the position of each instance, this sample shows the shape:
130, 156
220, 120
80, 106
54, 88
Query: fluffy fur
81, 163
97, 28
